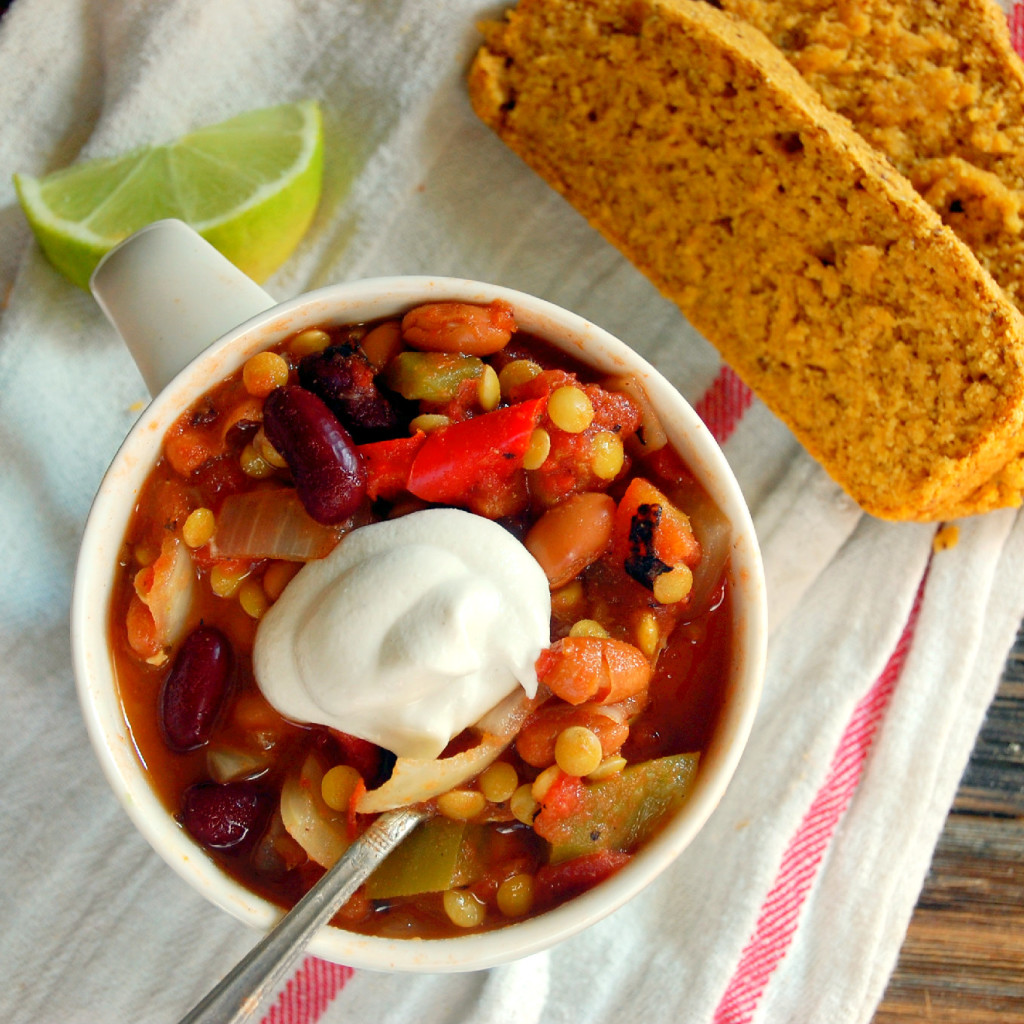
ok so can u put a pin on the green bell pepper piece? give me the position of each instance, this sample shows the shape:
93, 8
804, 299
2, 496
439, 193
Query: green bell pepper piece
624, 810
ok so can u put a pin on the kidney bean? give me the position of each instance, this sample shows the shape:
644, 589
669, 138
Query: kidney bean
344, 380
195, 689
330, 478
226, 815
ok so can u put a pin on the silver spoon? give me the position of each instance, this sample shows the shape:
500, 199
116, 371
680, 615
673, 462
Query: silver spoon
259, 974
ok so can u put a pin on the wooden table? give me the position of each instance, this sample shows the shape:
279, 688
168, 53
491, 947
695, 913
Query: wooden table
963, 957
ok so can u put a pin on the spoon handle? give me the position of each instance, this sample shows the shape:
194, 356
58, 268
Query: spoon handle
258, 974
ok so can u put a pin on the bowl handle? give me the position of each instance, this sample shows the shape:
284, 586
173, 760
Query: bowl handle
170, 294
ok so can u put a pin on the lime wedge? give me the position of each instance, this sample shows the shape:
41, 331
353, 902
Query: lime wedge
249, 186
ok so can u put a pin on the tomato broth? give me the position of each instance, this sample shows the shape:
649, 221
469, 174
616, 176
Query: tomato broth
641, 591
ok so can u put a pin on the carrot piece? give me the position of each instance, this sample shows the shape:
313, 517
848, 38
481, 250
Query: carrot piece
650, 535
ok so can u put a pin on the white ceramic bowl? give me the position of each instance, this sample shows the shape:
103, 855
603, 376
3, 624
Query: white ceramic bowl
106, 527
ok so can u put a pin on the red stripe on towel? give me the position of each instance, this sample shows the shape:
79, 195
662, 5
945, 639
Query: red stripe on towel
1016, 20
780, 912
309, 992
723, 404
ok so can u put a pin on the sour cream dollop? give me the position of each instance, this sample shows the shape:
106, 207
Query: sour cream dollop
407, 632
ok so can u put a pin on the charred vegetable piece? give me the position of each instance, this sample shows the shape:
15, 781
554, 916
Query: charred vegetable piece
620, 812
344, 381
651, 536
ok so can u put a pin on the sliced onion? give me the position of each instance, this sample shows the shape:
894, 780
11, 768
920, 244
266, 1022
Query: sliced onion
231, 764
714, 534
414, 780
321, 832
652, 433
271, 524
167, 590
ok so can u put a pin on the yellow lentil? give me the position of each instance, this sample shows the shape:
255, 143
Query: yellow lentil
253, 464
488, 390
199, 527
338, 785
537, 449
515, 895
570, 409
647, 634
673, 587
427, 422
263, 372
461, 804
253, 599
587, 627
519, 371
567, 601
308, 342
611, 765
224, 582
498, 782
464, 910
607, 455
577, 750
523, 805
543, 782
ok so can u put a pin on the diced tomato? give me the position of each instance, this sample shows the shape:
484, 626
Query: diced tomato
388, 464
454, 458
562, 798
202, 432
364, 756
555, 883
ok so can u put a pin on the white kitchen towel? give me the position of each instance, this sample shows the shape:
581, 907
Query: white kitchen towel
791, 905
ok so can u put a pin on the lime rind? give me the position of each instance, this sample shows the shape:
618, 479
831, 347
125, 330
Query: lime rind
249, 185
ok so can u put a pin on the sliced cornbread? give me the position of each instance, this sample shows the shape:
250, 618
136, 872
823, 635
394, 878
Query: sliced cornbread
937, 87
832, 288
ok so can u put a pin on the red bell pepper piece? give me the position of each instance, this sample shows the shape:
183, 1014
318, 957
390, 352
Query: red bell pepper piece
454, 458
388, 464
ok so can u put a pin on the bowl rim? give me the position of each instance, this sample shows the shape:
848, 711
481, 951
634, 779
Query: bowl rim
102, 539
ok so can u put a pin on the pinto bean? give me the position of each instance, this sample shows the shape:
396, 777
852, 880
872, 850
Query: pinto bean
459, 327
590, 668
535, 743
570, 536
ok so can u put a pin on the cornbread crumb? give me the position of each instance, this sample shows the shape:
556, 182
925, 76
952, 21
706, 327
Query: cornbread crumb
946, 537
822, 277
